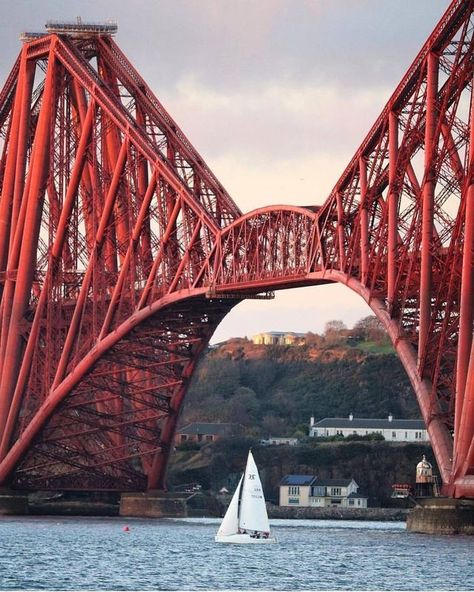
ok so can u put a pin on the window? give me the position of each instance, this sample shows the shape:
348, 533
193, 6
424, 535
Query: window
293, 490
406, 435
209, 438
184, 437
351, 502
336, 491
394, 435
293, 501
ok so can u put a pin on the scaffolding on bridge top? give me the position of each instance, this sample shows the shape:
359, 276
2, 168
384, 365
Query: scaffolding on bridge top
76, 28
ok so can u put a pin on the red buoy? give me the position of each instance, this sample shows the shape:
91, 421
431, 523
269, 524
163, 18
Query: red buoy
126, 529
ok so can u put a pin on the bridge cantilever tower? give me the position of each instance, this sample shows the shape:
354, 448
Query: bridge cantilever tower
120, 253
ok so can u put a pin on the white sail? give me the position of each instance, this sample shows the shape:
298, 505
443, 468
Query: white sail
230, 522
253, 512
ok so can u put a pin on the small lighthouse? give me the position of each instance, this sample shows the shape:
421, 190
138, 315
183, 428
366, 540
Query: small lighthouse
426, 483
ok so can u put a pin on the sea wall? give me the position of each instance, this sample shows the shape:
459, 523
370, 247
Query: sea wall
377, 514
12, 502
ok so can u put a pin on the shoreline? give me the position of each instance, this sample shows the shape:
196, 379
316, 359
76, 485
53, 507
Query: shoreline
276, 512
69, 507
332, 513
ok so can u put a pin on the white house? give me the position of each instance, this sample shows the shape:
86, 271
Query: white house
276, 441
309, 491
336, 492
393, 430
278, 338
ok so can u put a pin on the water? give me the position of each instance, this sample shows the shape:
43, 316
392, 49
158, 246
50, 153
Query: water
89, 554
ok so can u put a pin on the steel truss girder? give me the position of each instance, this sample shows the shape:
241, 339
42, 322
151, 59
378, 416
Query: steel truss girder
120, 253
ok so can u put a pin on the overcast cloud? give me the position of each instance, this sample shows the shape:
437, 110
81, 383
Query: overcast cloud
276, 95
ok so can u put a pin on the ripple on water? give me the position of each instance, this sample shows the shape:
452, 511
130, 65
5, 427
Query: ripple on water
88, 554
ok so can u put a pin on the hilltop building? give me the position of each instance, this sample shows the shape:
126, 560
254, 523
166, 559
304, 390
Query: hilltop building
393, 430
278, 338
308, 491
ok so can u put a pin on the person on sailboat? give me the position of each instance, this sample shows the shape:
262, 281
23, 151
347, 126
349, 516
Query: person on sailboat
255, 535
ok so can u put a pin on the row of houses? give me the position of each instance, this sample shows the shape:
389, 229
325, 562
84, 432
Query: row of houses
393, 430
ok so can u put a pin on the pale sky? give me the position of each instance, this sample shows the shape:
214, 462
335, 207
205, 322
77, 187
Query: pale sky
276, 95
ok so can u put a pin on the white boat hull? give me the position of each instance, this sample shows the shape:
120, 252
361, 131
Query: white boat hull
244, 539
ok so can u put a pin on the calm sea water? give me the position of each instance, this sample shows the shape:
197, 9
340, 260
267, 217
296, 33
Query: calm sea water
91, 554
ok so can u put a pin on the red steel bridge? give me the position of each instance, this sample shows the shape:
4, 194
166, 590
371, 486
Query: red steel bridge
120, 253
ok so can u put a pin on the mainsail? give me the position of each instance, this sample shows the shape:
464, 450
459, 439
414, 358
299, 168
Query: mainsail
253, 512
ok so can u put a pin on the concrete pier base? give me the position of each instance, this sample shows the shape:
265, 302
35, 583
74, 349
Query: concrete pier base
442, 516
153, 504
74, 503
13, 503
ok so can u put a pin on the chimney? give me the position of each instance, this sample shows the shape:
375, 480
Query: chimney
311, 421
390, 417
351, 417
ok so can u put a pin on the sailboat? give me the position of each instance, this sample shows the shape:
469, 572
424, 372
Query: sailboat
246, 519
